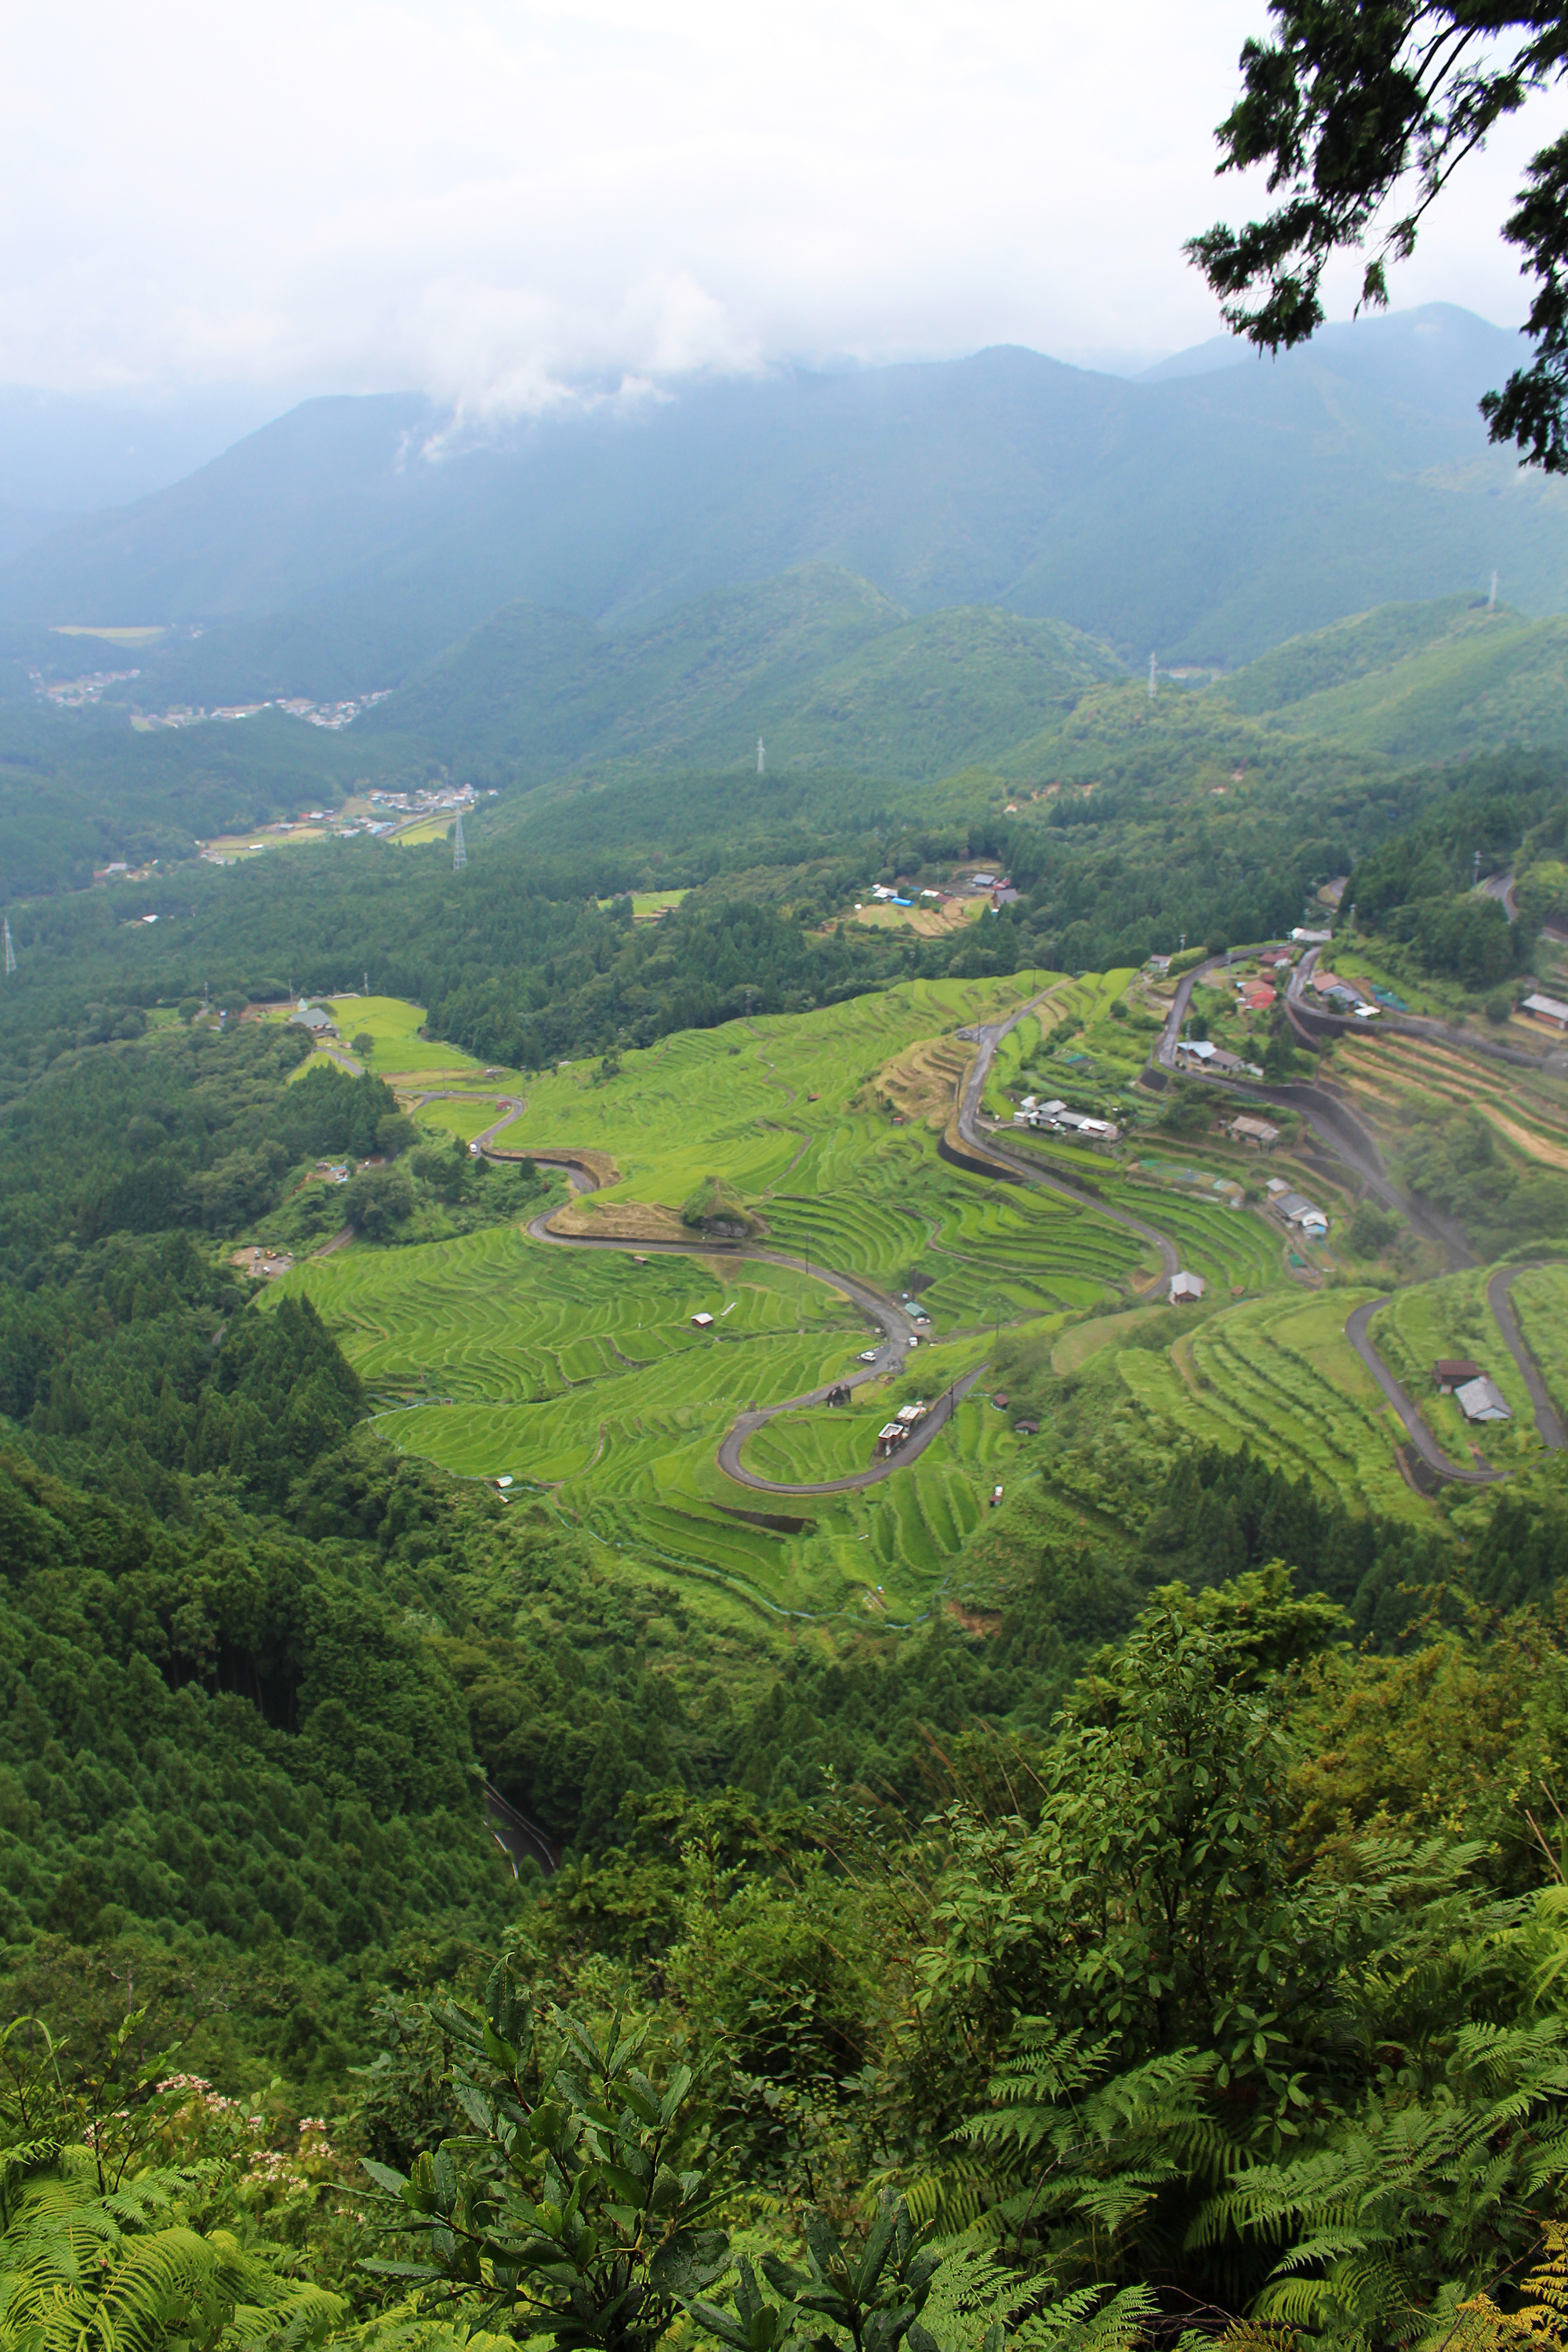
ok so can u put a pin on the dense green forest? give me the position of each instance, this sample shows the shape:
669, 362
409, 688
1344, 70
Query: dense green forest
532, 953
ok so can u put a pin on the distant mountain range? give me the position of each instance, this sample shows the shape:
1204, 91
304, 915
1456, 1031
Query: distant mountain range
1209, 511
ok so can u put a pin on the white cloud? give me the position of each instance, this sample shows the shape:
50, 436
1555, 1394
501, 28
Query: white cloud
501, 201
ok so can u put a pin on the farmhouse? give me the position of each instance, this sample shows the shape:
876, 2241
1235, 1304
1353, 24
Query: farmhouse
1256, 1131
313, 1017
1087, 1129
1451, 1373
1186, 1289
1304, 1214
1546, 1008
1025, 1429
1482, 1399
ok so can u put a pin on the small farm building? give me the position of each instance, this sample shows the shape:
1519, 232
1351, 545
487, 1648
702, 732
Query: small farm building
890, 1437
1546, 1008
1482, 1399
1025, 1429
1186, 1289
1451, 1373
701, 1322
1256, 1131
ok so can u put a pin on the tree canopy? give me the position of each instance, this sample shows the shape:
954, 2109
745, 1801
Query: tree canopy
1362, 113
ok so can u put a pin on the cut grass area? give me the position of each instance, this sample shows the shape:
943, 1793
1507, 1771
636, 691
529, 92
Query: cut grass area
399, 1050
454, 1115
648, 905
1450, 1318
428, 828
1279, 1375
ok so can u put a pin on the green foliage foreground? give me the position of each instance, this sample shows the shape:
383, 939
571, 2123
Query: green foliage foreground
1184, 2021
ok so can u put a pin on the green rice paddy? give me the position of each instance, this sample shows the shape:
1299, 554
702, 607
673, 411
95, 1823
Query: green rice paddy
1279, 1375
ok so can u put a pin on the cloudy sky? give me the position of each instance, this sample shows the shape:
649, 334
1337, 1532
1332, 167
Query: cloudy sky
492, 202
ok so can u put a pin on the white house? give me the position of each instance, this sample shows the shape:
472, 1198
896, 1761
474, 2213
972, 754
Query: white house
1186, 1289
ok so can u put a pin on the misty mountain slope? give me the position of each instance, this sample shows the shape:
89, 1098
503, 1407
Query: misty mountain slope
1360, 646
1439, 684
818, 662
1208, 515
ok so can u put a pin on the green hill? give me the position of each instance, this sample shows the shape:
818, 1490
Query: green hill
819, 662
1425, 681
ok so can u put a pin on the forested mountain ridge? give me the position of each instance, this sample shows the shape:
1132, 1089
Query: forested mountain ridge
1209, 516
826, 669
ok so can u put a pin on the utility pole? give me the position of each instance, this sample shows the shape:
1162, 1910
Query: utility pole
10, 950
1477, 874
459, 849
762, 758
1491, 600
1152, 674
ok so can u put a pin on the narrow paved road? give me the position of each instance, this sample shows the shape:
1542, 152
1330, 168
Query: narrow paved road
1547, 1420
1420, 1436
516, 1835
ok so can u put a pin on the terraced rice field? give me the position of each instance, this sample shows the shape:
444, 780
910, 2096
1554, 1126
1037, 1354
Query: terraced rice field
1277, 1374
579, 1372
1530, 1113
1231, 1248
1450, 1318
1541, 1303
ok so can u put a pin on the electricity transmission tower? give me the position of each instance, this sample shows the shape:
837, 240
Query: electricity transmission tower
1152, 678
459, 849
10, 950
760, 758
